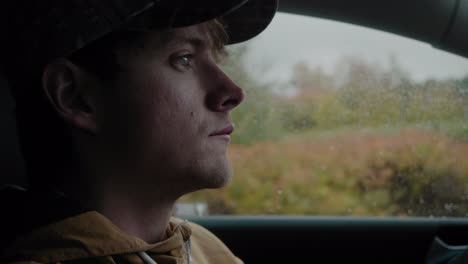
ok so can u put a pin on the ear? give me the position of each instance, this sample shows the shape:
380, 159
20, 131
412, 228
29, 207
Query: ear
67, 90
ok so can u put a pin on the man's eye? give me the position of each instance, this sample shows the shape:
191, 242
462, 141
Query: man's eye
182, 62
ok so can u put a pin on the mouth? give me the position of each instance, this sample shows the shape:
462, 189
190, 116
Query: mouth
226, 132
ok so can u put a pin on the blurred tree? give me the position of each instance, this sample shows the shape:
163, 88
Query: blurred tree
462, 90
400, 80
310, 82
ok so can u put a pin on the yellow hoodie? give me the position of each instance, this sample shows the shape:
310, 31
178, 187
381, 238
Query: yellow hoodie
91, 238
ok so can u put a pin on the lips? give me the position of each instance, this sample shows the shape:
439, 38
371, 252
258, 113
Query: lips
225, 131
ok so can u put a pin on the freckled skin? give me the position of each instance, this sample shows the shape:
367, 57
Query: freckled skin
156, 119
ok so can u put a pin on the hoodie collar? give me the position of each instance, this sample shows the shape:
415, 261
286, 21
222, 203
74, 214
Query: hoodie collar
91, 235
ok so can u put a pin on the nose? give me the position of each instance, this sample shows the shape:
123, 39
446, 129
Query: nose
224, 94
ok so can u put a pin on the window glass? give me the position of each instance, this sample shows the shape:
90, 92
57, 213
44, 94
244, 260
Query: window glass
344, 120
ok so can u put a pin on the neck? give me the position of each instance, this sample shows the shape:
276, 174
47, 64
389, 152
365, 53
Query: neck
147, 222
140, 205
145, 215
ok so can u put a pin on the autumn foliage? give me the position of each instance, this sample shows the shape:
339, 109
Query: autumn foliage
364, 140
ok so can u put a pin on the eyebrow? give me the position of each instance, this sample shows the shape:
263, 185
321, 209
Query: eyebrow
194, 41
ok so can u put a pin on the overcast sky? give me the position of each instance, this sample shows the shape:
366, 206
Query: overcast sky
293, 38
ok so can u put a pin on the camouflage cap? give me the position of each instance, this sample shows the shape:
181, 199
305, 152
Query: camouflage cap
41, 30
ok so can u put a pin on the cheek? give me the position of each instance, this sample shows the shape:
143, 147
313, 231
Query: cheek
161, 110
178, 97
168, 110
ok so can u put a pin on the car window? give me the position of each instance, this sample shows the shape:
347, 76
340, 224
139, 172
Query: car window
344, 120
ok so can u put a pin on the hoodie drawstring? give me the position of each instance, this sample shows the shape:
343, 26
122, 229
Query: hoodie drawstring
146, 258
188, 249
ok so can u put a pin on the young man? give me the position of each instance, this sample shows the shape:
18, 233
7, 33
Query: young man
121, 110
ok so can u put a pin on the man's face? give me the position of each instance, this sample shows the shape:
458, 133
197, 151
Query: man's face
167, 118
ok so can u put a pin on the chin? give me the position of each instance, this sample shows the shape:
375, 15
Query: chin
217, 177
221, 181
218, 180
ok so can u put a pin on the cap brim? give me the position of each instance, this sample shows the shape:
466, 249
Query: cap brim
244, 19
250, 19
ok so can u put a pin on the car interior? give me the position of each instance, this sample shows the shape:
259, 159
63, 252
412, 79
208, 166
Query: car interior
327, 239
